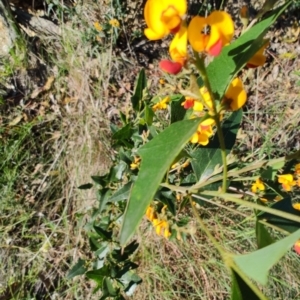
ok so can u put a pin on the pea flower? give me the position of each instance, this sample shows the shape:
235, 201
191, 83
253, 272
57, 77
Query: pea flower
259, 58
235, 95
202, 135
287, 181
97, 26
258, 185
163, 17
114, 23
150, 213
221, 28
297, 169
161, 104
178, 53
136, 163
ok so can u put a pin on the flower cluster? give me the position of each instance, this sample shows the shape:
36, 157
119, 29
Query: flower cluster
235, 97
160, 223
205, 34
288, 181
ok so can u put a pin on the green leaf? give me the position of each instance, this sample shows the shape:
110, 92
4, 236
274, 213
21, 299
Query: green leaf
85, 186
104, 234
263, 236
78, 269
205, 159
138, 93
123, 254
108, 286
240, 289
124, 133
256, 265
121, 194
224, 67
270, 172
149, 114
177, 110
157, 156
284, 205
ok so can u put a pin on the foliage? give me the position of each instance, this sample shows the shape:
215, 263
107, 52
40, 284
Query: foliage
158, 173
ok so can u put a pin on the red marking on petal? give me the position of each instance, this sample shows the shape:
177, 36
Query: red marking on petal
215, 49
170, 66
204, 127
251, 66
297, 248
176, 29
188, 104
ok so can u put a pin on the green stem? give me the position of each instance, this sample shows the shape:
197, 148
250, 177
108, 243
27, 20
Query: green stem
201, 67
230, 197
223, 152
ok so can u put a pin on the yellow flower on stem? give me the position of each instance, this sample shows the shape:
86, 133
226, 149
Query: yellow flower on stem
287, 181
163, 17
136, 163
258, 185
97, 26
114, 23
258, 58
202, 135
161, 104
178, 53
212, 33
150, 213
235, 96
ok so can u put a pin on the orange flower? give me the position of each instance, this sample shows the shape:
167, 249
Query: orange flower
221, 32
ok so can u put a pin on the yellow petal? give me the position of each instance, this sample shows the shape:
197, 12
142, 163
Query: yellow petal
197, 39
236, 95
221, 27
178, 46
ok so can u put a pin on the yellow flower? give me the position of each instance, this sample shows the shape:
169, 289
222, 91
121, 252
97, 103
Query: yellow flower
161, 104
178, 53
163, 17
136, 163
150, 213
160, 226
162, 81
114, 23
202, 135
235, 95
178, 46
221, 32
258, 185
97, 26
258, 59
296, 206
297, 169
287, 181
